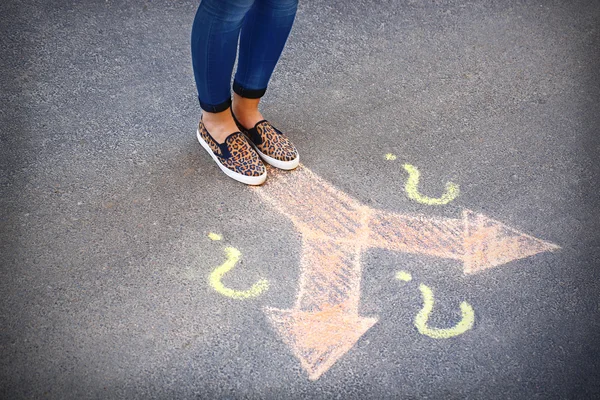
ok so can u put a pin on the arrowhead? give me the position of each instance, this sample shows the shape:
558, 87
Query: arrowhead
488, 243
319, 338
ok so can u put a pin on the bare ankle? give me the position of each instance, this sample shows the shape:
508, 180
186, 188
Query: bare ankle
219, 125
246, 111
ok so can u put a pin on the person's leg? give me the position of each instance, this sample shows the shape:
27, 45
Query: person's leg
265, 30
215, 35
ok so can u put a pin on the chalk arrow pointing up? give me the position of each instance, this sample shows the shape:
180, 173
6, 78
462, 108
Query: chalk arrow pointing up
336, 229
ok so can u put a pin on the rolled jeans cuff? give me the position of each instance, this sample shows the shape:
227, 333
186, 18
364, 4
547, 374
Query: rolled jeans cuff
215, 108
248, 93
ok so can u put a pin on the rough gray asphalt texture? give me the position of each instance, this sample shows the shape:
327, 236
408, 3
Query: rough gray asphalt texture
107, 200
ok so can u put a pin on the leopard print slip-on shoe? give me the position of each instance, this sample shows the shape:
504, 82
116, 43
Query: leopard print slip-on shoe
236, 157
272, 145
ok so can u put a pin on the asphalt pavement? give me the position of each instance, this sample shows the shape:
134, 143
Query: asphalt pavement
112, 285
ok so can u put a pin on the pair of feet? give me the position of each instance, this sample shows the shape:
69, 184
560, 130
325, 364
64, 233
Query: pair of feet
240, 154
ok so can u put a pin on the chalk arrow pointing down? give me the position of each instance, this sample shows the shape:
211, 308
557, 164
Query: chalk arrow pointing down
324, 322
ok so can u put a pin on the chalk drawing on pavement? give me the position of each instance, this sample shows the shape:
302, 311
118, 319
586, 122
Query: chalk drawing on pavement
411, 188
214, 236
404, 276
422, 318
324, 322
390, 157
466, 323
233, 256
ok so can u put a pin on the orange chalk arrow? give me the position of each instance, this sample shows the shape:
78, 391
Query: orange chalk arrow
324, 322
476, 240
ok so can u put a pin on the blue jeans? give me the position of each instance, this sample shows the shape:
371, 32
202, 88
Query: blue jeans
265, 26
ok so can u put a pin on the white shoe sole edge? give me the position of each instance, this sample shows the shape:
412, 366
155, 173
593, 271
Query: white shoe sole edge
248, 180
287, 165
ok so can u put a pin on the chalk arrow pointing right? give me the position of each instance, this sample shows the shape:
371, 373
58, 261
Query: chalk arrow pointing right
476, 240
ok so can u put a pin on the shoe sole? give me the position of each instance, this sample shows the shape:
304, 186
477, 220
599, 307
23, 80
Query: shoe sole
248, 180
286, 165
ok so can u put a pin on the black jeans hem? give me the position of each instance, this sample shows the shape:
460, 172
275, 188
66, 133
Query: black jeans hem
248, 93
215, 108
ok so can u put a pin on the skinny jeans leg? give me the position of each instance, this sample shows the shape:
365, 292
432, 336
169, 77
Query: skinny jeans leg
264, 34
265, 26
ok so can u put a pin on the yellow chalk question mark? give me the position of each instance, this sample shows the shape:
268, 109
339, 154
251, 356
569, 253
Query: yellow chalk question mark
411, 187
466, 323
233, 256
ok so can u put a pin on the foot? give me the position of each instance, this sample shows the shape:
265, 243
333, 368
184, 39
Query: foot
220, 125
272, 145
246, 111
235, 157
